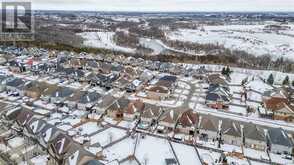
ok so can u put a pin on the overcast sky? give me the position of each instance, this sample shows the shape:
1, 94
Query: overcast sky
166, 5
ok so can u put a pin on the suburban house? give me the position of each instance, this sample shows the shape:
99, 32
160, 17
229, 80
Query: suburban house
47, 134
24, 117
200, 73
146, 76
36, 125
162, 89
208, 128
74, 74
117, 108
134, 86
81, 157
130, 72
150, 115
60, 147
15, 85
121, 83
231, 132
217, 79
218, 97
134, 110
218, 94
188, 122
279, 141
35, 89
83, 100
277, 104
254, 136
60, 95
104, 103
16, 67
157, 92
105, 68
168, 120
46, 95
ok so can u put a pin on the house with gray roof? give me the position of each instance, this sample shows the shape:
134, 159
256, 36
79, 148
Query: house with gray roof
254, 136
15, 85
231, 132
60, 95
279, 141
208, 127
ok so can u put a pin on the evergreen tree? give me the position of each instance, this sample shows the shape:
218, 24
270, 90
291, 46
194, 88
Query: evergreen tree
293, 83
286, 81
224, 71
270, 79
244, 81
229, 71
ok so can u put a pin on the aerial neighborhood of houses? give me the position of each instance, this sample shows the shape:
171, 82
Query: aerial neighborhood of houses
60, 107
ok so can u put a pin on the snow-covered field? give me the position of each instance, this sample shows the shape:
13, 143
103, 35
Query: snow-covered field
153, 150
120, 150
88, 128
107, 136
250, 38
102, 40
186, 154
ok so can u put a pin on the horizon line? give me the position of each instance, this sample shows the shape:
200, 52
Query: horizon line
172, 11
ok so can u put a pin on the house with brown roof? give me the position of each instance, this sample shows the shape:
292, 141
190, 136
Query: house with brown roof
24, 117
35, 89
60, 147
131, 71
279, 107
187, 122
157, 92
46, 94
217, 79
134, 110
162, 89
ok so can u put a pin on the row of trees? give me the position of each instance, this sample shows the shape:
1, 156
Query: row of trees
286, 81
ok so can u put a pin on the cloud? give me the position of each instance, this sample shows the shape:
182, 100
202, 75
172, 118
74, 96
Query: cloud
166, 5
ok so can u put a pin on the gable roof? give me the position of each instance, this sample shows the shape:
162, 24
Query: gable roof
231, 128
208, 122
217, 79
24, 116
79, 157
151, 111
15, 82
62, 92
251, 131
279, 136
188, 119
61, 144
119, 105
134, 107
276, 104
216, 97
171, 116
